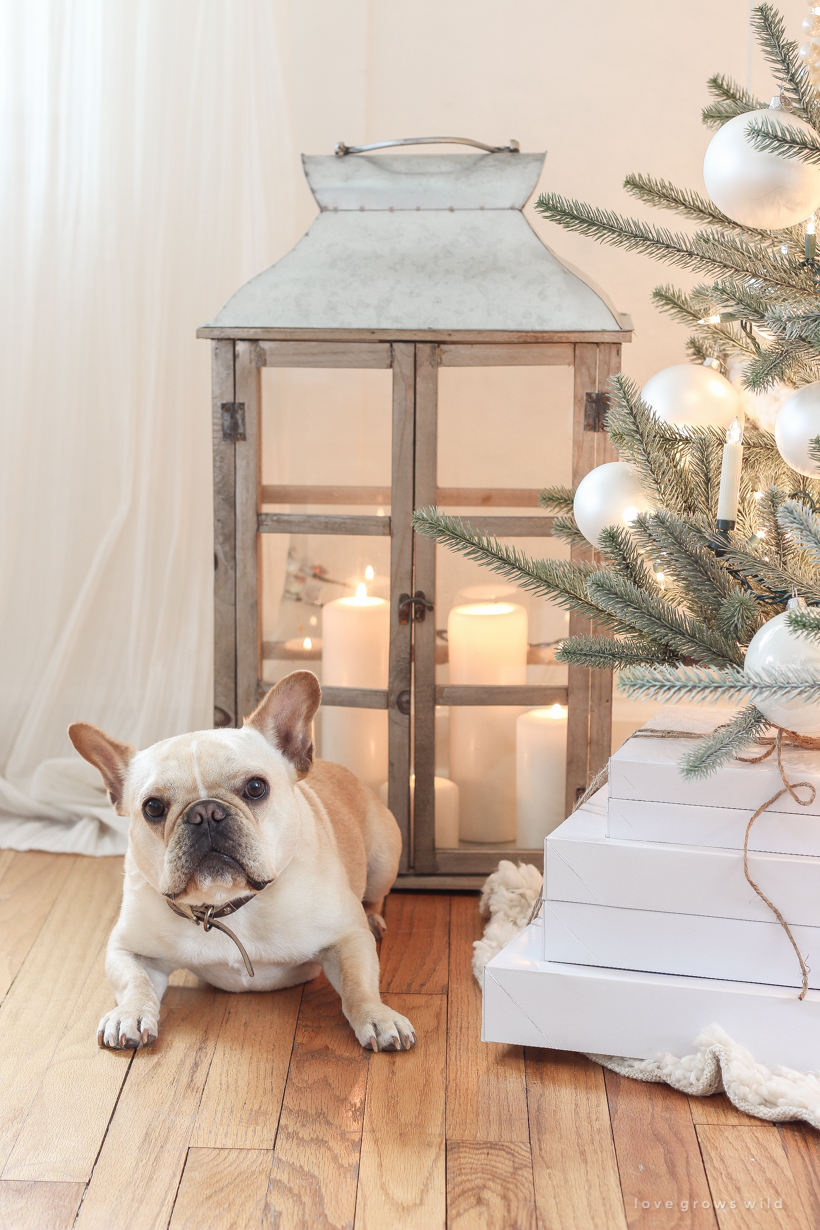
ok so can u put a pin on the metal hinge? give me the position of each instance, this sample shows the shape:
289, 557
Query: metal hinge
414, 608
233, 420
596, 408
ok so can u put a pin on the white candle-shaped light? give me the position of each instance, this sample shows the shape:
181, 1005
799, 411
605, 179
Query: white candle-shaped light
355, 645
541, 774
487, 645
446, 805
730, 477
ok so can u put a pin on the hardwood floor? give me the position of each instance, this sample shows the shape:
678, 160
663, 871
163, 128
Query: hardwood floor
257, 1111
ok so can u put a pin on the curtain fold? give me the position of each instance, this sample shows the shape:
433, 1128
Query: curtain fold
146, 171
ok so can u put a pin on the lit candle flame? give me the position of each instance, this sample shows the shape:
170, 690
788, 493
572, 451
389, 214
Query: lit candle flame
734, 433
369, 573
556, 711
307, 643
361, 590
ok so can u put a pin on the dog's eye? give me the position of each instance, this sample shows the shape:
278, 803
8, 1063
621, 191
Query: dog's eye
255, 788
153, 809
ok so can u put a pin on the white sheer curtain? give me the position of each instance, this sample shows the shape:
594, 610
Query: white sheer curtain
145, 173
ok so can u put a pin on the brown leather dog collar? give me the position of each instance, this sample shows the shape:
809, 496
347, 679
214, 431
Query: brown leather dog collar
209, 916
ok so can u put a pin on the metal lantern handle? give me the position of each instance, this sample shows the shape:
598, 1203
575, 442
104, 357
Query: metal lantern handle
342, 149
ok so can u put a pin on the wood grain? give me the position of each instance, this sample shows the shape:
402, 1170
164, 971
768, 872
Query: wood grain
658, 1155
526, 355
403, 1171
322, 354
28, 889
316, 1159
573, 1157
718, 1109
424, 631
486, 1089
222, 1189
39, 1206
489, 1187
62, 1133
496, 336
141, 1161
246, 1081
746, 1165
247, 455
414, 949
43, 996
801, 1145
348, 524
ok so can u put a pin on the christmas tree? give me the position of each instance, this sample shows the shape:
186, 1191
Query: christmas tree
675, 596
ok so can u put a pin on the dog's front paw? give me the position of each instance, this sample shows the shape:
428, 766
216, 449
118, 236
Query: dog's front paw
127, 1028
379, 1028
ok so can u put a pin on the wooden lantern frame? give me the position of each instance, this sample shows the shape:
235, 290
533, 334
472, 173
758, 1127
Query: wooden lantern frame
410, 699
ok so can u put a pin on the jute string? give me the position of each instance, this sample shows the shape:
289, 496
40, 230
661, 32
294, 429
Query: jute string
787, 738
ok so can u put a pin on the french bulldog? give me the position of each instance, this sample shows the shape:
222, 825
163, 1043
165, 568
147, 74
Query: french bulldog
243, 824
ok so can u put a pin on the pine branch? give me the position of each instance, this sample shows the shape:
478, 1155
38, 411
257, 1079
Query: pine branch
660, 621
770, 578
723, 744
566, 529
776, 137
797, 519
739, 616
603, 653
689, 204
621, 555
804, 622
693, 567
781, 53
730, 99
558, 499
700, 685
682, 308
652, 447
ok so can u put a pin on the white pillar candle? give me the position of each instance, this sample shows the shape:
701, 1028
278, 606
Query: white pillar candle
355, 648
488, 645
730, 477
541, 774
446, 805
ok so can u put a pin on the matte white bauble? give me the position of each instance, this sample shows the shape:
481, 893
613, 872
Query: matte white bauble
776, 645
797, 425
610, 494
692, 395
755, 187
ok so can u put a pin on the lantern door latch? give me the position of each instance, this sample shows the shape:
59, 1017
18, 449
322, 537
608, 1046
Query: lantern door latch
596, 408
414, 608
233, 420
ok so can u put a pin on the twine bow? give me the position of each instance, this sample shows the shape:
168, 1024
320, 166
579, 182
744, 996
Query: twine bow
787, 738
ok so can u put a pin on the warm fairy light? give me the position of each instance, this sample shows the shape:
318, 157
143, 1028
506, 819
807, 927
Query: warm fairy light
361, 590
369, 573
307, 643
734, 433
784, 249
758, 495
557, 712
659, 578
760, 533
379, 512
810, 225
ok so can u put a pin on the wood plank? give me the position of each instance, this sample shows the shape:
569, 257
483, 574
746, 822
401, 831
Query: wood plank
355, 698
748, 1167
62, 1133
456, 497
413, 955
719, 1110
322, 354
658, 1155
501, 694
324, 523
486, 1082
574, 1165
295, 494
402, 1172
248, 456
246, 1081
424, 631
488, 497
469, 861
7, 857
401, 582
222, 1189
512, 527
43, 996
399, 336
138, 1171
39, 1206
283, 651
224, 477
489, 1186
801, 1145
30, 883
527, 354
316, 1159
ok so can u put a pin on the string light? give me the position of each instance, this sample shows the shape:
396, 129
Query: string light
811, 239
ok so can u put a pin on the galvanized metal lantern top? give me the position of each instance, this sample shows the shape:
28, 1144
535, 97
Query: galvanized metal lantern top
419, 242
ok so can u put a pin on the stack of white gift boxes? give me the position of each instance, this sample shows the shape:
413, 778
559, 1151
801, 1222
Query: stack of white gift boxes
649, 931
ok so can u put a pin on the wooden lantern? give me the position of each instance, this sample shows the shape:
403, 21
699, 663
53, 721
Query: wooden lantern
440, 244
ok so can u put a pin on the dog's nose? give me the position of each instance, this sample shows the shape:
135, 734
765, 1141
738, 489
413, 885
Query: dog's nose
205, 809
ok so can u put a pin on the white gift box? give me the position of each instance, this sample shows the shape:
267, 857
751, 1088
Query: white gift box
583, 865
532, 1002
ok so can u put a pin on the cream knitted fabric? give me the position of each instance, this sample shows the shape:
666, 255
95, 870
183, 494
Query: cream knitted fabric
719, 1064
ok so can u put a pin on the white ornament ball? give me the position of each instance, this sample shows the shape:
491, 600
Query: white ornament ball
692, 395
797, 424
610, 494
776, 645
755, 187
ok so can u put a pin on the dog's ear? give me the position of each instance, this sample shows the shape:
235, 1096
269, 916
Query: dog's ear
108, 755
285, 718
